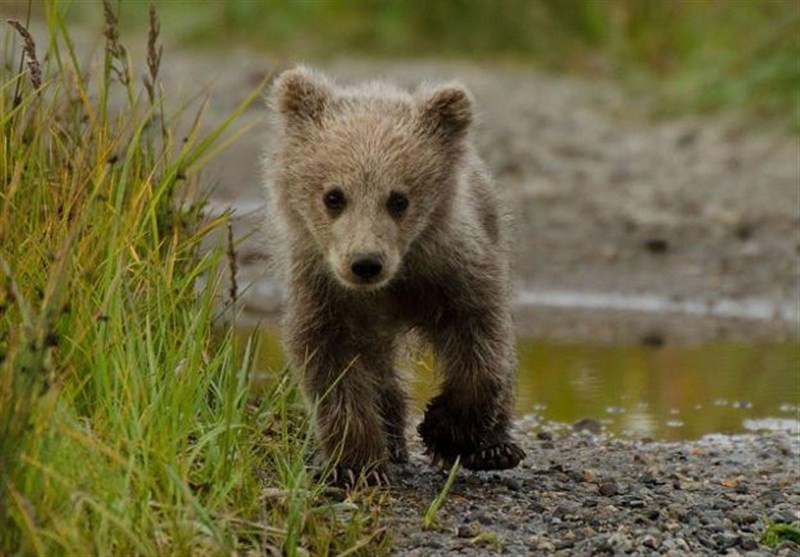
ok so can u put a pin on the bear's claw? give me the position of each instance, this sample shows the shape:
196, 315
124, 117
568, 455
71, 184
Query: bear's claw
501, 456
497, 457
348, 478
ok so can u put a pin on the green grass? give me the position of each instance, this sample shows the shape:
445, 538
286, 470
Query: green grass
685, 55
127, 425
429, 519
779, 532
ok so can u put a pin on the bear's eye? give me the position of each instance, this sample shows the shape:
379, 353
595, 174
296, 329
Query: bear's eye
334, 199
397, 204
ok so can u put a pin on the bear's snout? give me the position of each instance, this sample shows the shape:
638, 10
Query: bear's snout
366, 267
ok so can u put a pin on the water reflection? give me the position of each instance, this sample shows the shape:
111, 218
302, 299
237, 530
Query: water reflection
672, 392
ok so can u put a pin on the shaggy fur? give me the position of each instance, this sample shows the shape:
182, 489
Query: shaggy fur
341, 158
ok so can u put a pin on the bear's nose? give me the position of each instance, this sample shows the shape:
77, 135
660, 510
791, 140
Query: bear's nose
367, 266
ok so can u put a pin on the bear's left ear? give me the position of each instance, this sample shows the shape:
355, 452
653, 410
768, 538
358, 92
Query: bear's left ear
446, 111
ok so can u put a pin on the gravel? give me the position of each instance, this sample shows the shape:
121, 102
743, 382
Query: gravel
600, 495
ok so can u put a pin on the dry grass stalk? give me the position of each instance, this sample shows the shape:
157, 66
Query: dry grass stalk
29, 52
154, 51
231, 254
113, 47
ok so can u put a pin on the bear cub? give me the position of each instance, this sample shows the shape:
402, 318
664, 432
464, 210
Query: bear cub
381, 219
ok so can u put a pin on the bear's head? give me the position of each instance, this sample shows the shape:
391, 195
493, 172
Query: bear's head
367, 172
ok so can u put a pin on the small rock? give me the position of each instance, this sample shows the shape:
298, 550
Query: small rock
588, 424
467, 531
651, 542
748, 543
707, 541
513, 484
782, 516
634, 503
787, 549
575, 476
774, 496
656, 246
742, 489
723, 505
483, 518
724, 540
608, 489
653, 514
653, 339
544, 435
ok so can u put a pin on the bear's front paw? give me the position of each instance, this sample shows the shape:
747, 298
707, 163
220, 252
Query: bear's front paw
349, 478
481, 442
500, 456
447, 433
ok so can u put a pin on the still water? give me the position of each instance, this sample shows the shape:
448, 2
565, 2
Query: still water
671, 392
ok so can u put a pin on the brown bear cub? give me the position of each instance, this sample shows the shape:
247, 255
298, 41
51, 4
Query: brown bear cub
383, 219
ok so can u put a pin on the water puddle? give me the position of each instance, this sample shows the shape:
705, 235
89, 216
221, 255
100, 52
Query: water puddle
669, 393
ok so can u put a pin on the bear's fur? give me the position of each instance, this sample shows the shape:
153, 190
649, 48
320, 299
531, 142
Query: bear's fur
384, 219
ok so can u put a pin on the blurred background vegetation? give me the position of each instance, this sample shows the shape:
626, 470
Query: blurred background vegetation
688, 55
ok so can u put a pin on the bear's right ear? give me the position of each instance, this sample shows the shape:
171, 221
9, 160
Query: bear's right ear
301, 95
446, 111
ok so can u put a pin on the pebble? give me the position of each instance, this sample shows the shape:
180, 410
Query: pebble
748, 543
724, 540
588, 424
782, 515
651, 542
608, 489
467, 531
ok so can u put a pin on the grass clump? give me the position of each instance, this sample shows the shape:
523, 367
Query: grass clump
777, 532
126, 421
